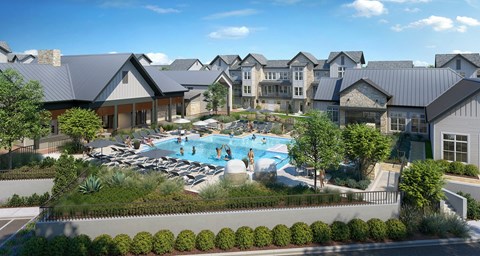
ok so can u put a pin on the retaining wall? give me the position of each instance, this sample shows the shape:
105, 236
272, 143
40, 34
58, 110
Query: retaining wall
472, 189
24, 187
459, 203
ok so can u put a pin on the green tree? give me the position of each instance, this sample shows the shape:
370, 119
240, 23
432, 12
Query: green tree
21, 112
65, 173
317, 142
80, 124
365, 145
215, 96
422, 184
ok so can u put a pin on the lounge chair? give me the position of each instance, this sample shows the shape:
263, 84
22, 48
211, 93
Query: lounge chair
193, 180
120, 141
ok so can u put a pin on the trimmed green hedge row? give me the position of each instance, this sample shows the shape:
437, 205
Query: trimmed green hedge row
458, 168
244, 238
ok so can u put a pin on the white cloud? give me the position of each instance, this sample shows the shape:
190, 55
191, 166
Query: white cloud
159, 58
468, 21
420, 63
31, 51
230, 33
383, 21
161, 10
397, 28
438, 23
407, 1
368, 8
114, 52
460, 51
461, 29
236, 13
412, 10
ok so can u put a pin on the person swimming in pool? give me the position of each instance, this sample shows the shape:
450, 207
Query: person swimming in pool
219, 152
193, 150
253, 136
264, 141
228, 156
181, 151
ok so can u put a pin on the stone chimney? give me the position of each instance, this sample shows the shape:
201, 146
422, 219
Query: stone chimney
51, 57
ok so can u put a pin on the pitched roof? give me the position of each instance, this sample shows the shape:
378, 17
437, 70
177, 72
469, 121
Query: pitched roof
328, 89
229, 59
139, 55
409, 86
4, 46
19, 56
371, 83
355, 56
205, 77
442, 59
183, 64
307, 55
322, 65
390, 64
454, 96
192, 94
258, 57
54, 80
164, 82
277, 64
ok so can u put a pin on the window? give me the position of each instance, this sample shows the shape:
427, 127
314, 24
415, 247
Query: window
341, 71
247, 89
317, 74
270, 89
271, 76
418, 123
342, 60
459, 64
247, 75
284, 75
455, 147
298, 73
332, 112
124, 77
298, 91
397, 122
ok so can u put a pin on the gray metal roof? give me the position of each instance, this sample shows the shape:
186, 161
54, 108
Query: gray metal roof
54, 80
139, 55
192, 94
442, 59
206, 77
4, 46
229, 59
19, 56
183, 64
409, 86
390, 64
452, 97
307, 55
328, 89
164, 82
277, 64
356, 56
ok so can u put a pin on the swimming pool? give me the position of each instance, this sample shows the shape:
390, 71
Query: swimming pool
206, 153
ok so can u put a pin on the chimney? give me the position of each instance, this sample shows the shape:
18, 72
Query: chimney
51, 57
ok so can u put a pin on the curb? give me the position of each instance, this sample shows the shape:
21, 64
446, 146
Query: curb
353, 247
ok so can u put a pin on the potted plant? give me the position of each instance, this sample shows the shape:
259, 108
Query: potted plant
136, 144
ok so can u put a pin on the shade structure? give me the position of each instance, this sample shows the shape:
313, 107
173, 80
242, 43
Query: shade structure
101, 144
200, 123
182, 121
266, 111
211, 121
156, 153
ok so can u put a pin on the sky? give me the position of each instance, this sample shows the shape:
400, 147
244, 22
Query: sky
169, 29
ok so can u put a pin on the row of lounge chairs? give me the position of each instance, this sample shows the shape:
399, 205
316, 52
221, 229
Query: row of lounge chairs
260, 127
141, 136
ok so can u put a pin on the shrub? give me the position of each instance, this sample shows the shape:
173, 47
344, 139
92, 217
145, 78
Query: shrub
121, 244
185, 241
171, 186
33, 200
411, 216
244, 237
102, 245
473, 207
377, 229
65, 173
47, 162
79, 245
205, 240
263, 236
91, 185
36, 245
351, 183
396, 230
142, 243
363, 184
321, 232
281, 235
457, 226
163, 242
225, 239
358, 229
471, 170
301, 233
456, 168
443, 165
339, 181
434, 224
340, 231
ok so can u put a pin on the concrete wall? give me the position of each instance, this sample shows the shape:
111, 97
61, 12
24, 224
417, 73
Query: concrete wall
459, 203
472, 189
24, 187
215, 221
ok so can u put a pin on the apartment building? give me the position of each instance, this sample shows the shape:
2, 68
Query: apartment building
465, 64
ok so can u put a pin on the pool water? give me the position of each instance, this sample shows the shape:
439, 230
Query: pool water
206, 153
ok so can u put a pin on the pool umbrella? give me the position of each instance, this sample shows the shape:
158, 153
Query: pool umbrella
156, 153
101, 144
211, 121
200, 123
182, 121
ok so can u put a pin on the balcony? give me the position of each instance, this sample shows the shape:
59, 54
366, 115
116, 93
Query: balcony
275, 95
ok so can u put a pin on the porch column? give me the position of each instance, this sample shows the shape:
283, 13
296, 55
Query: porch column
134, 116
154, 115
170, 110
183, 107
229, 100
115, 117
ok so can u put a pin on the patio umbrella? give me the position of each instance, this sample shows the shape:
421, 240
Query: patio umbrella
200, 123
156, 153
182, 121
211, 121
101, 144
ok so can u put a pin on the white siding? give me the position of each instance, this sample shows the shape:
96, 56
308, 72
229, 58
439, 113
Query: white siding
219, 64
196, 66
467, 68
337, 63
3, 57
136, 87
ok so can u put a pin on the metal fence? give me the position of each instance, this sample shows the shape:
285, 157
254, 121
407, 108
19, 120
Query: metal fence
56, 145
71, 212
20, 156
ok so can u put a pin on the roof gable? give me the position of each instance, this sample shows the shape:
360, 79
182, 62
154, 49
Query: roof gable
355, 56
205, 77
258, 57
183, 64
307, 55
442, 59
369, 82
228, 59
142, 55
4, 46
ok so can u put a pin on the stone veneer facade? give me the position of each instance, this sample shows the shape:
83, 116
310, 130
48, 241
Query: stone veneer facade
51, 57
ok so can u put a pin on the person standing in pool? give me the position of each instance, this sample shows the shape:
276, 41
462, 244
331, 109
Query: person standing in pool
193, 150
251, 158
264, 141
253, 136
186, 139
219, 152
181, 151
228, 156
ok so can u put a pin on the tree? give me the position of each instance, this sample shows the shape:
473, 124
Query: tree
21, 112
317, 143
215, 96
80, 124
422, 183
65, 173
365, 145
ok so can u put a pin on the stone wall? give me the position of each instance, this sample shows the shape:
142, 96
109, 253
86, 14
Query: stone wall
51, 57
363, 95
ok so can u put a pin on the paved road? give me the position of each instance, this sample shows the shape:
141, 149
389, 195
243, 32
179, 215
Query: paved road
472, 249
9, 226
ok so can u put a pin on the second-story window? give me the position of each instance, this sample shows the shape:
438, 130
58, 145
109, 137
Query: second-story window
247, 89
342, 60
459, 64
247, 75
341, 71
284, 75
298, 73
271, 76
298, 91
124, 77
318, 74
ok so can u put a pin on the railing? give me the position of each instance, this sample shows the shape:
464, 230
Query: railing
54, 146
70, 212
16, 154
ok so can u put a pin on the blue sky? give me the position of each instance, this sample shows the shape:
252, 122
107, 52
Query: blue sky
169, 29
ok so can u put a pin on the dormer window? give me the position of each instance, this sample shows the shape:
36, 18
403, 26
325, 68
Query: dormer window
459, 64
342, 60
341, 71
298, 73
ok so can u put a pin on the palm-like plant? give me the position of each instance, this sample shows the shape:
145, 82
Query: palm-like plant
91, 185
